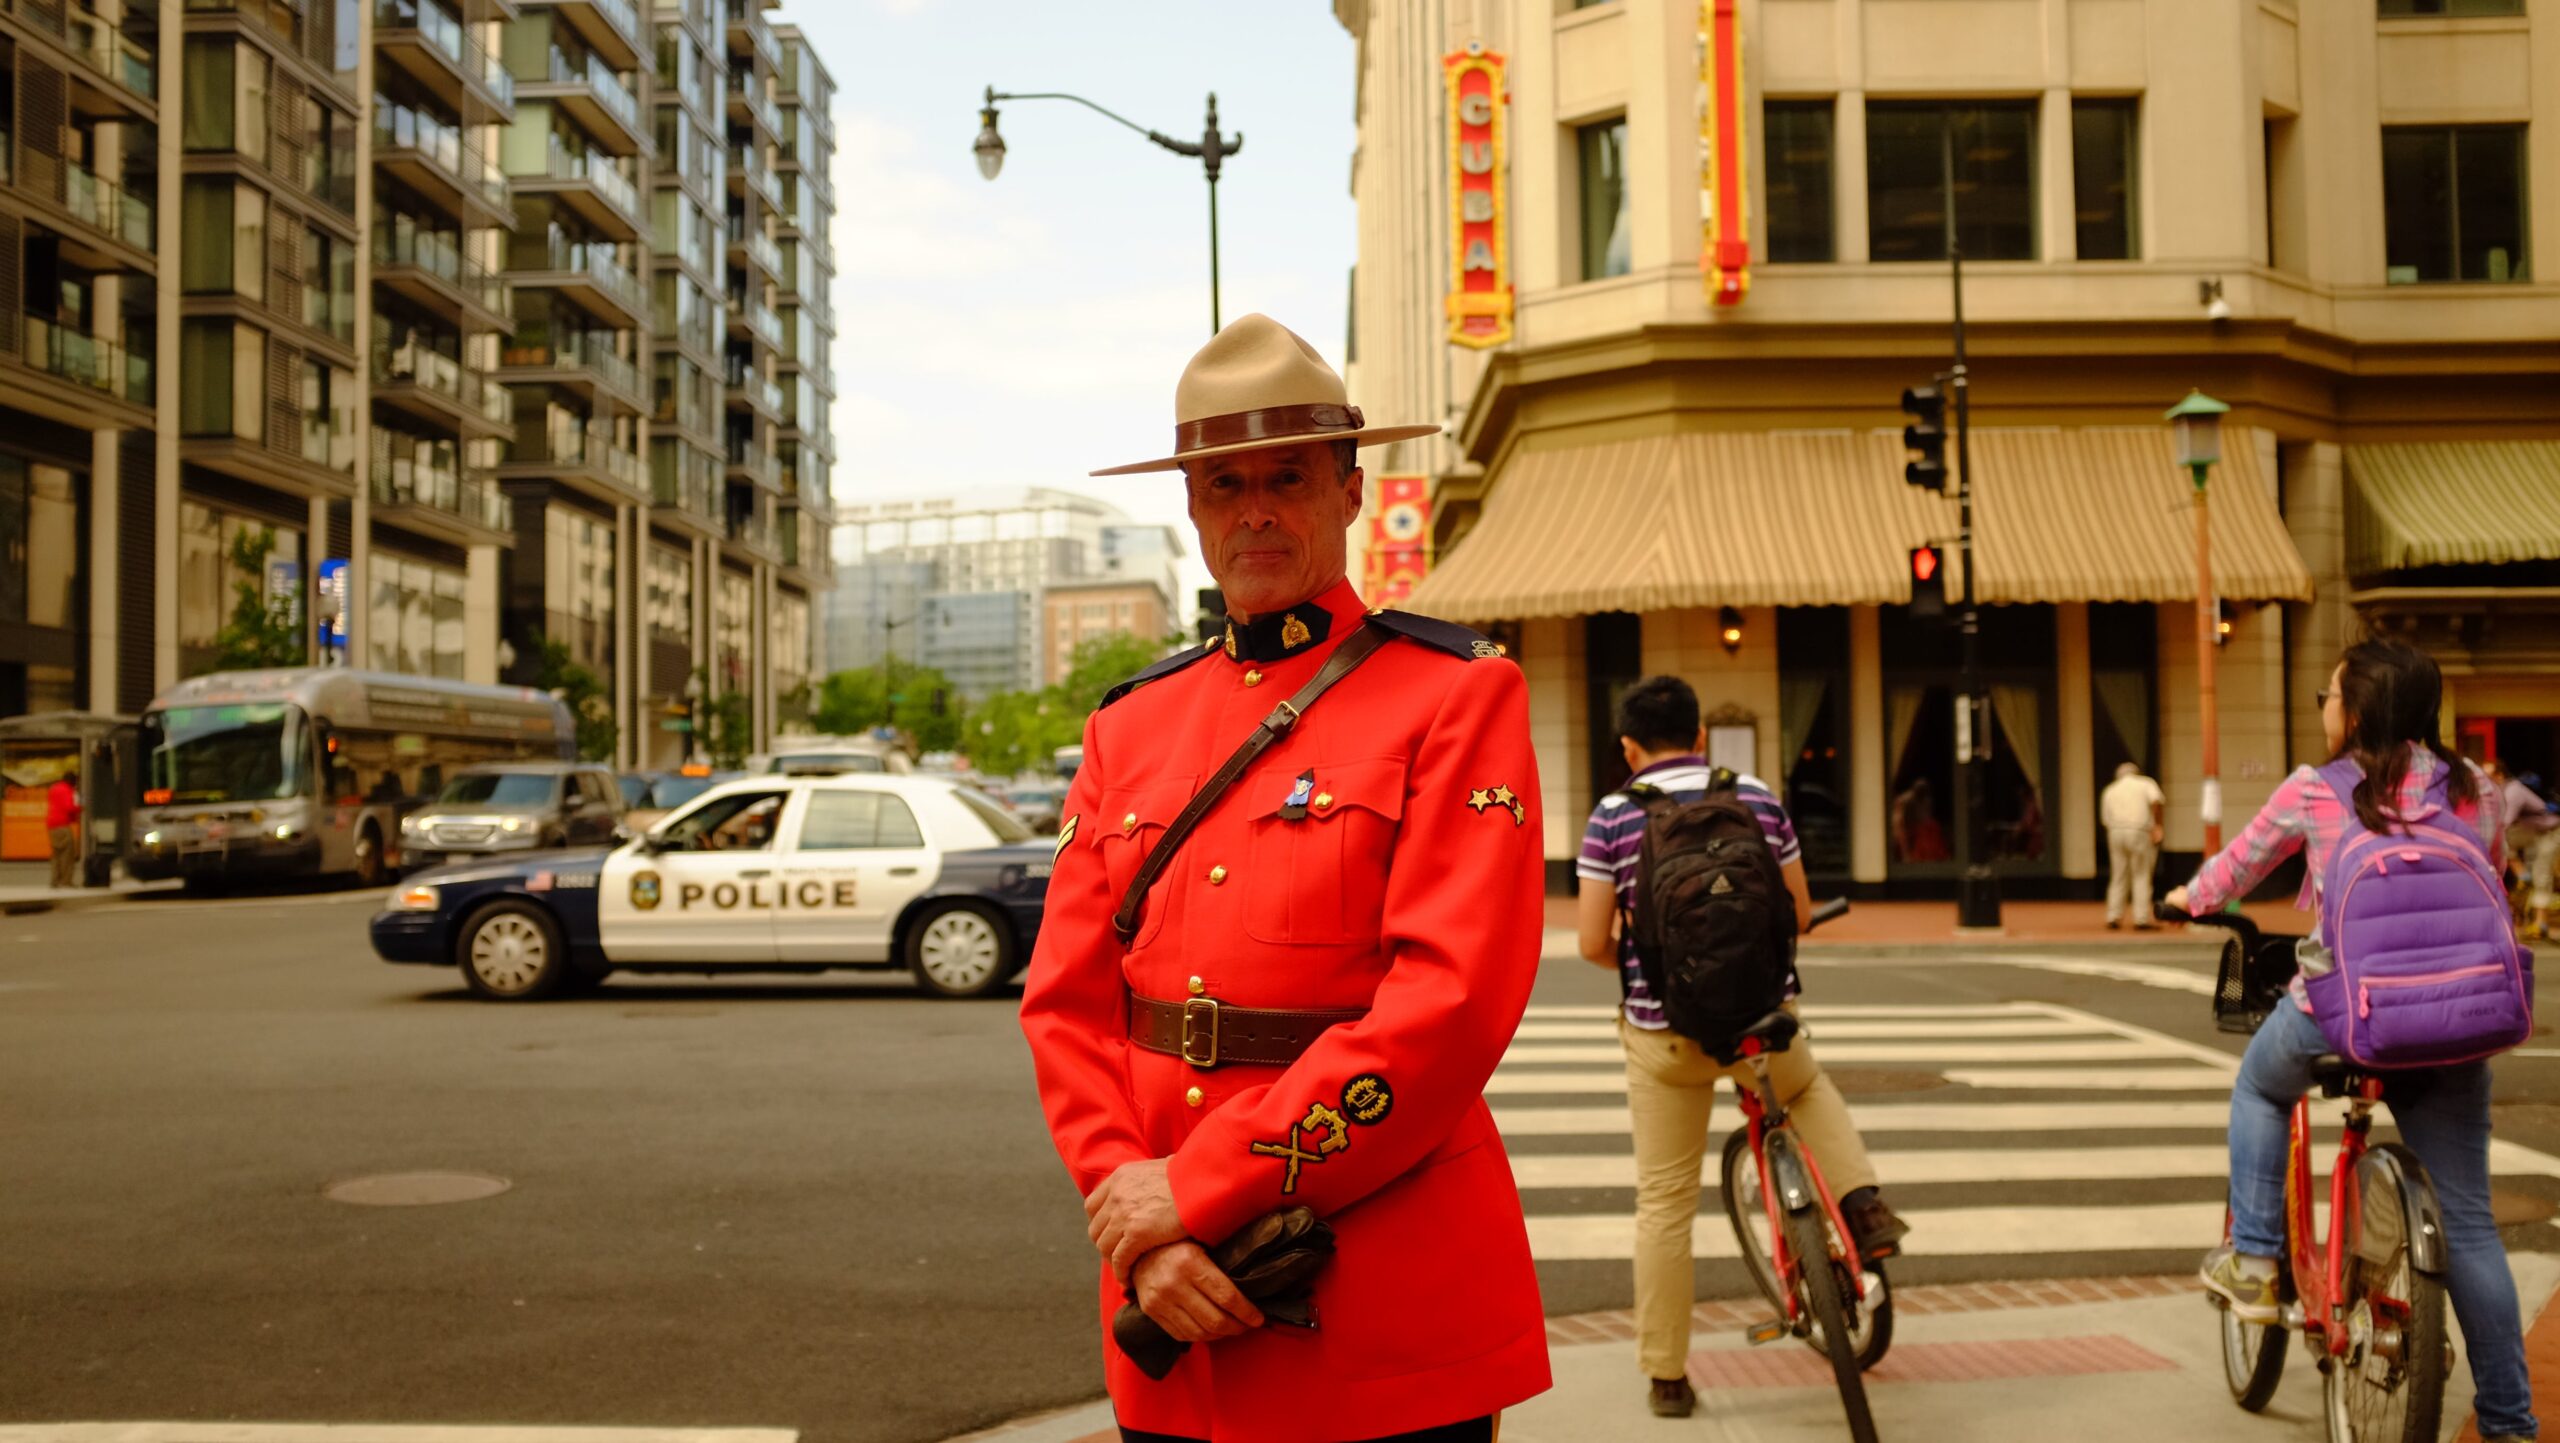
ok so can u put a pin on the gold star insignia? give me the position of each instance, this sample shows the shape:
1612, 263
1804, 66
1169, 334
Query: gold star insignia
1479, 799
1502, 795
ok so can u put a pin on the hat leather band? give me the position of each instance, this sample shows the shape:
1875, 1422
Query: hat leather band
1276, 423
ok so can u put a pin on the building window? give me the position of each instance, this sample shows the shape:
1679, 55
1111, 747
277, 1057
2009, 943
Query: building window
40, 551
1936, 166
578, 585
2391, 8
670, 598
2453, 200
1798, 150
222, 387
207, 88
1607, 247
2103, 183
418, 623
208, 579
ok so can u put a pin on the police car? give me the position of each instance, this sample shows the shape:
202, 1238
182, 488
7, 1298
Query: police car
788, 873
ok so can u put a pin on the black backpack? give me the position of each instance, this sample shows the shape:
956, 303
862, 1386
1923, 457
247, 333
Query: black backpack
1713, 922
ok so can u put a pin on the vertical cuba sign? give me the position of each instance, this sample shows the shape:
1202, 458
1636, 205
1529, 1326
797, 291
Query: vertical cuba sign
1479, 302
1724, 187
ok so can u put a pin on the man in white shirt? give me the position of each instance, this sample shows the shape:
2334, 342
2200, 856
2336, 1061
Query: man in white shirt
2134, 813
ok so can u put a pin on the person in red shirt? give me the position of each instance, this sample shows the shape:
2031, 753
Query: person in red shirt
62, 829
1307, 1006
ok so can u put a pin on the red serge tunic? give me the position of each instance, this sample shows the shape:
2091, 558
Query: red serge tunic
1406, 879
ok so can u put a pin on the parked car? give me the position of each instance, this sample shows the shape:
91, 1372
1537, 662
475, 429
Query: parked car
815, 755
762, 874
1040, 806
513, 807
647, 796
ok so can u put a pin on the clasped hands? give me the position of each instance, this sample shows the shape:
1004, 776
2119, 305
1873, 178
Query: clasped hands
1134, 1225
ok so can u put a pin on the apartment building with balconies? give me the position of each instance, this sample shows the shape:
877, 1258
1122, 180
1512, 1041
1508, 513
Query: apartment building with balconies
803, 262
407, 317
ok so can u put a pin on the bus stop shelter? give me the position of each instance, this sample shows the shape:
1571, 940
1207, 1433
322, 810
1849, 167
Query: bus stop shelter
99, 753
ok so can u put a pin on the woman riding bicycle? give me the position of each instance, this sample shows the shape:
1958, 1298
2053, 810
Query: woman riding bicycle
2381, 708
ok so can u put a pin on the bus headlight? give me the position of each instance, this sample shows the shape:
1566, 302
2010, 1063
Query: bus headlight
151, 839
419, 898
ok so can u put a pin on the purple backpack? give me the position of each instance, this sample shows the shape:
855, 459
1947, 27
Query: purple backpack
2427, 969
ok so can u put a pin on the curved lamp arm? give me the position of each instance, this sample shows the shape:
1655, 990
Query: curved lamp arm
1168, 142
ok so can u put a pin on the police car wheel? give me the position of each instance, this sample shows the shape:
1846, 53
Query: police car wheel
960, 950
511, 952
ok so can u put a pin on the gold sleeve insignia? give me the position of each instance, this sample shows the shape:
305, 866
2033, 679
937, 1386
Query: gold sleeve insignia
1066, 834
1482, 799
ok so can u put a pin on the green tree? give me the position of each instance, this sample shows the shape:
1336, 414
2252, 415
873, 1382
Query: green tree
728, 728
264, 630
1022, 731
1101, 663
583, 692
901, 693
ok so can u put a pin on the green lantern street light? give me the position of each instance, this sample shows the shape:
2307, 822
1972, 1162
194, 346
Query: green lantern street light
1211, 150
2195, 433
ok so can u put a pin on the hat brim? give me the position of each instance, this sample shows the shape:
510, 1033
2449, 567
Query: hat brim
1366, 436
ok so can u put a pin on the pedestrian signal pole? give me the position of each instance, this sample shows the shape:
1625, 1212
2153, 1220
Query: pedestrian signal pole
1977, 885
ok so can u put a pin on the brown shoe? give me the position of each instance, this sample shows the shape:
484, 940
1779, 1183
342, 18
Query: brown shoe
1673, 1398
1878, 1228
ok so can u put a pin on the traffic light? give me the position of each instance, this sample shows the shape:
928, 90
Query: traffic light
1928, 581
1925, 437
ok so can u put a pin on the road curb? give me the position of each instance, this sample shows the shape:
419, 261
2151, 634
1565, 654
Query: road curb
2541, 1359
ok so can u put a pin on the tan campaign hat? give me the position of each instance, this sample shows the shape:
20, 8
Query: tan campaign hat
1257, 384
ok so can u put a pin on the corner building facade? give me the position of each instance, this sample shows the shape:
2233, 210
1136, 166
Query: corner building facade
366, 286
2321, 214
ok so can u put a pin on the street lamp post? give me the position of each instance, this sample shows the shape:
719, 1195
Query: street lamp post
2195, 429
1211, 149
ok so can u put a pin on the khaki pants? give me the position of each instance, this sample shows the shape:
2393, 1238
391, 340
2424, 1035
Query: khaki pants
2131, 854
66, 855
1670, 1089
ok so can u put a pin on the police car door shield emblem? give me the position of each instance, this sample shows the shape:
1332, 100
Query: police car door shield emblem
646, 890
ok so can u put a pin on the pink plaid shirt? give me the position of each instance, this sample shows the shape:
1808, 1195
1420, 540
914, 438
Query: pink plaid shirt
2305, 815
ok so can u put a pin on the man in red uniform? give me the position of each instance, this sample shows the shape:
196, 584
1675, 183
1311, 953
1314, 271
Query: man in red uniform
1322, 976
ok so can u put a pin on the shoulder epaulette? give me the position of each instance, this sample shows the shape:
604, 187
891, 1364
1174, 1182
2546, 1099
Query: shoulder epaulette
1439, 635
1166, 667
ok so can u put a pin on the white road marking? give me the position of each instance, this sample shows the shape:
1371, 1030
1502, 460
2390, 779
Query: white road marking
1939, 1233
374, 1433
2093, 1079
1857, 1028
1815, 1011
2104, 1049
1886, 1118
1952, 1165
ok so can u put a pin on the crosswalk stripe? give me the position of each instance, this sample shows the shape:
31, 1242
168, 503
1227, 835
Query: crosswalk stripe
2030, 1079
1998, 1049
1864, 1029
1886, 1118
1818, 1010
175, 1432
1962, 1165
1943, 1232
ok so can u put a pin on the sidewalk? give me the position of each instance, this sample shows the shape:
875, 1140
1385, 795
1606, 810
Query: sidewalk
1920, 924
2134, 1359
27, 887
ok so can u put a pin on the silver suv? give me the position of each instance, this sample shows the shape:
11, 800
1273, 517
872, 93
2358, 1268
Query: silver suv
513, 807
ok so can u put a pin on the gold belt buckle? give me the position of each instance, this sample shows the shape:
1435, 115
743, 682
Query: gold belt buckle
1193, 1008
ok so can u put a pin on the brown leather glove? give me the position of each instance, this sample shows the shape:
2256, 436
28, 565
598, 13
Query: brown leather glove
1272, 1260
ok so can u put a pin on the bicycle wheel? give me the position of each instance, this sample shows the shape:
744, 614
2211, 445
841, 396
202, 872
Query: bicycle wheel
2389, 1387
1871, 1321
2252, 1353
1820, 1286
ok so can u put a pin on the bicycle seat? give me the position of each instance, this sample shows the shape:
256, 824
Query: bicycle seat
2335, 1075
1772, 1032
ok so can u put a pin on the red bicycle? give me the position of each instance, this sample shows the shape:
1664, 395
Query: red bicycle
1795, 1243
2369, 1300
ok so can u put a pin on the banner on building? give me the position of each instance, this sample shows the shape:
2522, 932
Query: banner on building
1399, 550
1724, 254
1479, 301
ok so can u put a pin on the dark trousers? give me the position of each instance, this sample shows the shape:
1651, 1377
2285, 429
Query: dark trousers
1474, 1430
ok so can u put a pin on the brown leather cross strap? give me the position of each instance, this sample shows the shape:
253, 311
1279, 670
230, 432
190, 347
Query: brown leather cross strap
1359, 647
1272, 423
1207, 1033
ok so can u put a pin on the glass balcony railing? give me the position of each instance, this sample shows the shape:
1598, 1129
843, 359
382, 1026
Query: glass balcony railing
108, 206
86, 360
692, 488
760, 247
756, 464
766, 326
435, 371
114, 55
748, 160
624, 17
759, 31
596, 170
760, 393
591, 352
751, 528
440, 143
400, 480
444, 32
590, 71
439, 253
596, 261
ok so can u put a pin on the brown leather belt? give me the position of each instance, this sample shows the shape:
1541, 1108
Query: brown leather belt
1208, 1033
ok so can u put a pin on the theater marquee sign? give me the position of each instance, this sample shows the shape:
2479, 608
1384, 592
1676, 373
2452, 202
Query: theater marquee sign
1724, 252
1479, 301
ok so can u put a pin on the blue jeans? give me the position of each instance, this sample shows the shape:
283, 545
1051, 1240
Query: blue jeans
2443, 1115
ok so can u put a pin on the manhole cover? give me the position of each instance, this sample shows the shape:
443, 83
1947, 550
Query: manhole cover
415, 1189
1853, 1081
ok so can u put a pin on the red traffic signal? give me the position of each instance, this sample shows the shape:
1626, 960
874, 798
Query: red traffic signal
1928, 581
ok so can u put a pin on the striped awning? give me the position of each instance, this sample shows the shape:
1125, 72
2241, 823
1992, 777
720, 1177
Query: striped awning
1824, 519
2452, 503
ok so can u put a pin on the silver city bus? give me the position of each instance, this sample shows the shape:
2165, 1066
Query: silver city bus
307, 771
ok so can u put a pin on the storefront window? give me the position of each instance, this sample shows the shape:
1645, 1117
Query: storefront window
578, 589
39, 544
1922, 681
1813, 732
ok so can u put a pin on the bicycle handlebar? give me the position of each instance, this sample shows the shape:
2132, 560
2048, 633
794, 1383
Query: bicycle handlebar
1831, 911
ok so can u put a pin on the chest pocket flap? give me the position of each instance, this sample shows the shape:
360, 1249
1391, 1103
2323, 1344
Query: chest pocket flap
1321, 878
1128, 825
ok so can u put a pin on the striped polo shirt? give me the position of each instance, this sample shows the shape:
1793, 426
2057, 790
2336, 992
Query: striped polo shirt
1616, 835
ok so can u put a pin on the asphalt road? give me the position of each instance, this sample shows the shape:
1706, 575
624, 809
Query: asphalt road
819, 1204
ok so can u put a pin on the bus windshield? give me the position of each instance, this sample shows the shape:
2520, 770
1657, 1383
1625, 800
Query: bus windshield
246, 753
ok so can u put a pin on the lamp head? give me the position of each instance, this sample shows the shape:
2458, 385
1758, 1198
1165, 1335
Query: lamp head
990, 146
2195, 428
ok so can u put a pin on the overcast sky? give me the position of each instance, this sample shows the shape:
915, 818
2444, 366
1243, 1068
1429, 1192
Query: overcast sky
1026, 331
